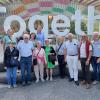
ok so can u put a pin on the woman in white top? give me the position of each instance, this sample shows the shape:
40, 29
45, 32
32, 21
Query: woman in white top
39, 53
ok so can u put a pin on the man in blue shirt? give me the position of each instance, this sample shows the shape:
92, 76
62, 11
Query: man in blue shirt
25, 48
40, 36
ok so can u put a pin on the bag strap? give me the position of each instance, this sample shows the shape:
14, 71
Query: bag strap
38, 52
59, 47
9, 37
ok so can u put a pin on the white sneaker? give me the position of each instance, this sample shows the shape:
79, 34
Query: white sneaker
42, 80
47, 78
9, 86
37, 81
95, 82
14, 85
51, 79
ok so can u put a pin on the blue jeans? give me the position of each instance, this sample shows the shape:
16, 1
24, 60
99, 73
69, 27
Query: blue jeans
96, 68
26, 63
11, 75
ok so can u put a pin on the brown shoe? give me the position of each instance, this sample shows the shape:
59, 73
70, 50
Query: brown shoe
83, 82
88, 86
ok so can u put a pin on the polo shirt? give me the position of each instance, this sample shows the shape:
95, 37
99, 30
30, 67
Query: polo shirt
72, 47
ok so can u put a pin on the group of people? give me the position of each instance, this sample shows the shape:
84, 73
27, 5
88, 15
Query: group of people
34, 51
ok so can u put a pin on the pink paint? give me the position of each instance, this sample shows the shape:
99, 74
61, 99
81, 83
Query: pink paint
46, 4
25, 16
33, 10
63, 1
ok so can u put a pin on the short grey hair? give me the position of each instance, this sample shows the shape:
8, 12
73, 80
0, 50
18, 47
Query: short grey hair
70, 34
26, 35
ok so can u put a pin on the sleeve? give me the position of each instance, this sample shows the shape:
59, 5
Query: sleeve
4, 39
56, 48
65, 45
17, 54
78, 44
44, 38
90, 48
5, 55
32, 46
18, 45
34, 53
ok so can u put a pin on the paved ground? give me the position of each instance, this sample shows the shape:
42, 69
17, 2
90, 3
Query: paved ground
59, 89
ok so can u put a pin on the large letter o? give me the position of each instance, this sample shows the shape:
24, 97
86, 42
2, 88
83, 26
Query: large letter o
7, 24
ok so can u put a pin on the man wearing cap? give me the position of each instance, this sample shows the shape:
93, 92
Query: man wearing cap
96, 57
85, 52
25, 48
72, 58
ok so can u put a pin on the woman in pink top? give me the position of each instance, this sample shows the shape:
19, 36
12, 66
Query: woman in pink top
39, 53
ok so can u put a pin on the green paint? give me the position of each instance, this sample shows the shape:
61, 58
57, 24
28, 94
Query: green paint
59, 10
71, 9
45, 12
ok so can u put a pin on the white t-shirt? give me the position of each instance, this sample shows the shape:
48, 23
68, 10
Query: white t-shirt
83, 50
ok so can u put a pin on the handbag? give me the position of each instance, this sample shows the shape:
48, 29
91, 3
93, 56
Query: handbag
35, 59
51, 58
14, 62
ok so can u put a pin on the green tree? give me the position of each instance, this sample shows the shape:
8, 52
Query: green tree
83, 27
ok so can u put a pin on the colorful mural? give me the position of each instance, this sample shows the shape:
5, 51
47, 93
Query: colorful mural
27, 8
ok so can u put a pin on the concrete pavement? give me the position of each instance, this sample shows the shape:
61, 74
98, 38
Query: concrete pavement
58, 89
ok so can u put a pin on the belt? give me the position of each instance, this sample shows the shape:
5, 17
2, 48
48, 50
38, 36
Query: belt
73, 55
26, 57
60, 55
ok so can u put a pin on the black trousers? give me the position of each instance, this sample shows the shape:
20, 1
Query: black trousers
85, 70
61, 65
